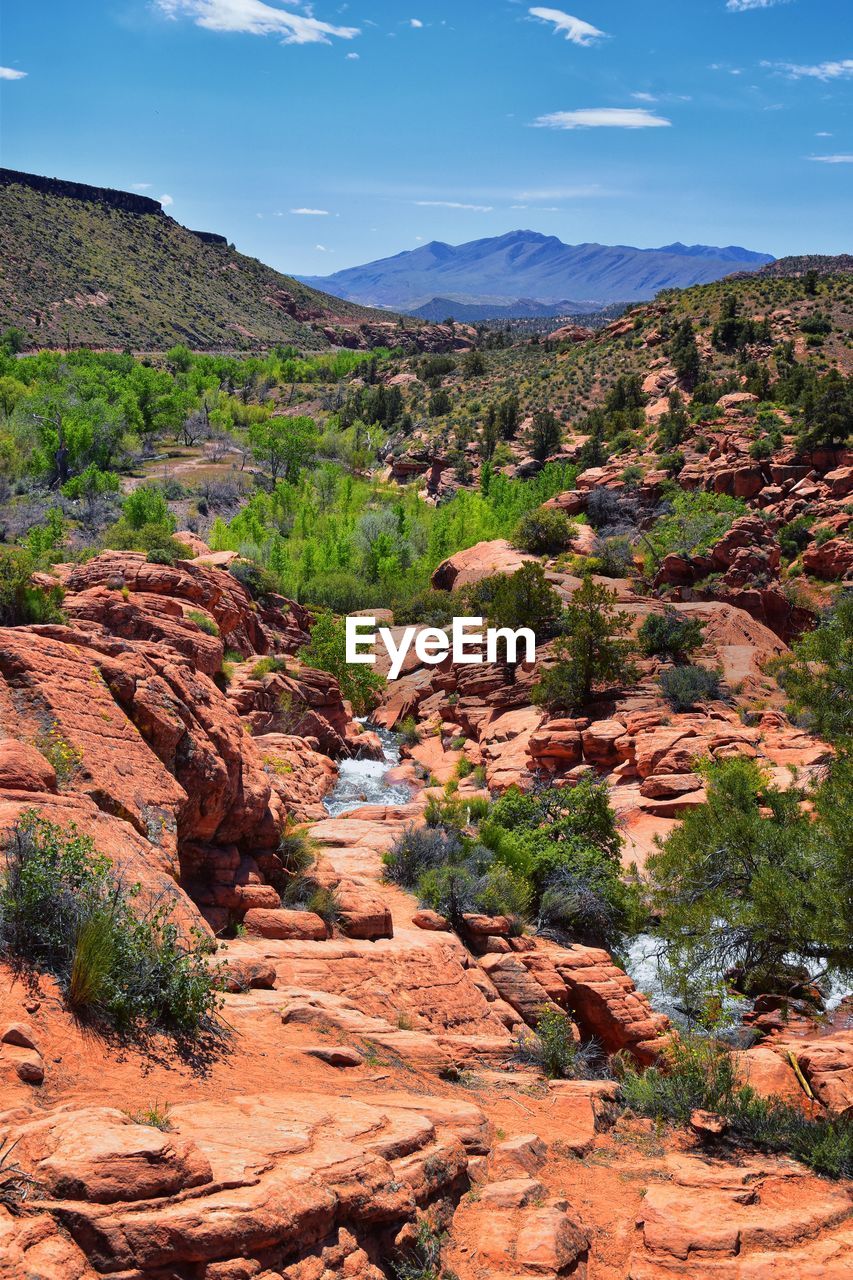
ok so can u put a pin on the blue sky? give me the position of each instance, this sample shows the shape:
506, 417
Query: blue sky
388, 123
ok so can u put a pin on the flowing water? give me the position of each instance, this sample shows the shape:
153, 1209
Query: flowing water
363, 781
644, 964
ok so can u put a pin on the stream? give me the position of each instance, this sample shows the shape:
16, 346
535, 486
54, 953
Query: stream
363, 781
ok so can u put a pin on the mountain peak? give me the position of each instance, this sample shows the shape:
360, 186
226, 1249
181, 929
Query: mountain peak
538, 268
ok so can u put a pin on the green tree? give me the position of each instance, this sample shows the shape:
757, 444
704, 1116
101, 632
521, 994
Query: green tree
13, 341
684, 354
818, 677
326, 651
545, 434
591, 651
522, 599
750, 878
283, 445
828, 412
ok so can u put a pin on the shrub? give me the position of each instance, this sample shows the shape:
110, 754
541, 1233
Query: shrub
63, 910
670, 635
14, 1182
297, 853
700, 1074
613, 558
450, 890
203, 622
21, 602
324, 902
695, 522
793, 537
408, 732
503, 892
425, 608
268, 666
259, 582
582, 902
423, 1260
417, 850
592, 650
455, 812
544, 530
65, 757
552, 1047
683, 687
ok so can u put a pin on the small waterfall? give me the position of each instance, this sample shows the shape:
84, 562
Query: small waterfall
363, 781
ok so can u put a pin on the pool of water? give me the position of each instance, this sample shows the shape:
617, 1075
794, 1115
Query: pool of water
363, 781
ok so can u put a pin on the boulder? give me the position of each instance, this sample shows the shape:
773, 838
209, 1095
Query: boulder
831, 560
23, 768
483, 560
265, 923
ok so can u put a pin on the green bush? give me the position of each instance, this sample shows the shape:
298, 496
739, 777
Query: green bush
21, 602
63, 754
203, 622
417, 850
326, 651
544, 530
63, 910
614, 557
552, 1047
684, 686
670, 635
563, 843
503, 892
268, 666
794, 536
695, 522
408, 732
450, 889
259, 582
700, 1074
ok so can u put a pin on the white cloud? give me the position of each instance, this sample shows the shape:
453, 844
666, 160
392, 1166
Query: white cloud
353, 57
837, 159
9, 73
818, 71
311, 213
166, 201
578, 31
743, 6
254, 17
321, 248
453, 204
644, 97
416, 23
603, 118
823, 134
142, 186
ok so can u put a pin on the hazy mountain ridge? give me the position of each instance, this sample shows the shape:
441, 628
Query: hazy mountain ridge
526, 266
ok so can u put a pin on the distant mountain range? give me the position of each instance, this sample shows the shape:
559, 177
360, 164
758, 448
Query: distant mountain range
524, 270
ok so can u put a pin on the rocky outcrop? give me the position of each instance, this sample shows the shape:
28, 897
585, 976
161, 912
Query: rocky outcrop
483, 560
157, 764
